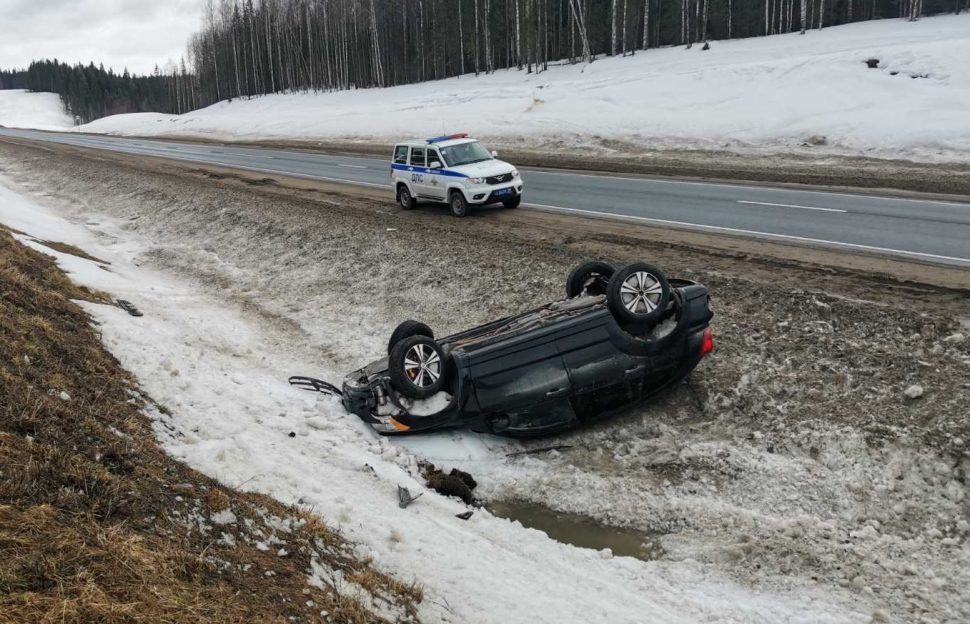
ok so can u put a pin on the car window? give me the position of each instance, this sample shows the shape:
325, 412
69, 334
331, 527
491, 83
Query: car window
433, 156
465, 154
417, 156
401, 155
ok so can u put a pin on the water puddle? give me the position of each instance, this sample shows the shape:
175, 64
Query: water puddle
580, 530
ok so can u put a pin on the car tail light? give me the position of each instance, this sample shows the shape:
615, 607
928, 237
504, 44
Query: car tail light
707, 342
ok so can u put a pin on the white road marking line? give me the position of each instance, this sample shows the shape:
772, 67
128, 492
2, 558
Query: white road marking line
785, 189
718, 228
756, 203
352, 166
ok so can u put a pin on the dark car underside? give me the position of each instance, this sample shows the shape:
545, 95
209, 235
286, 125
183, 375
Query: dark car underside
567, 363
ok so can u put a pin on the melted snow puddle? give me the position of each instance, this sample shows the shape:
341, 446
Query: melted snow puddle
579, 530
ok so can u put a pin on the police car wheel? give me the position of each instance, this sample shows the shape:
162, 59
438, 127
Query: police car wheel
512, 203
404, 198
458, 204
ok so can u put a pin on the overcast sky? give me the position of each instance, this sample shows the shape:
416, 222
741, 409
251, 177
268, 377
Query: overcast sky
135, 34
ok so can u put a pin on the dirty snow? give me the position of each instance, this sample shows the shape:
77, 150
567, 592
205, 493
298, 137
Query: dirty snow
809, 94
191, 350
427, 407
768, 468
24, 109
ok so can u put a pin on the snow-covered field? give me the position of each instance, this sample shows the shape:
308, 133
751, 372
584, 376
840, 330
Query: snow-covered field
23, 109
221, 374
808, 94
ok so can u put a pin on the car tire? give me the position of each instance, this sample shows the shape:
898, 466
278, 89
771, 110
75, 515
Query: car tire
406, 330
628, 338
638, 294
589, 276
458, 204
512, 203
405, 199
417, 367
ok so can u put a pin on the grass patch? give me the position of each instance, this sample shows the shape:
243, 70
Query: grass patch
71, 250
98, 524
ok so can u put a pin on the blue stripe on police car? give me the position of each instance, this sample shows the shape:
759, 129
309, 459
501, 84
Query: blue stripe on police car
414, 169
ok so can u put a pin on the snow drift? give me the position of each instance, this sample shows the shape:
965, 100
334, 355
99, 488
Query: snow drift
812, 93
23, 109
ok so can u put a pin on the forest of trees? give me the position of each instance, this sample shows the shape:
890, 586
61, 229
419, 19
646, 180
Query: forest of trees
254, 47
90, 92
250, 47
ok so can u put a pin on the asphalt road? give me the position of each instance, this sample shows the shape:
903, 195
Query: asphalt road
932, 231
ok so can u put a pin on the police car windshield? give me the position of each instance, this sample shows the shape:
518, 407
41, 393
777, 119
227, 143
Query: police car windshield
464, 154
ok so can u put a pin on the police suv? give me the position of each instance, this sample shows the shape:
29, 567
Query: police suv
453, 169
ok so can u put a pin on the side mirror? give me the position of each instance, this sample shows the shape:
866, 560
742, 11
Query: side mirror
494, 154
435, 164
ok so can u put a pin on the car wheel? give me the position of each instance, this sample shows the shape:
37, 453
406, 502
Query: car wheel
458, 204
589, 277
634, 340
417, 367
404, 198
638, 294
406, 330
512, 203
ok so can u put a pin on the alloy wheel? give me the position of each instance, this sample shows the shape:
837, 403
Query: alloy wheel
422, 365
641, 292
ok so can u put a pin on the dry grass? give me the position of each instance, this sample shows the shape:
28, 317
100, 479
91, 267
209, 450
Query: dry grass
71, 250
97, 524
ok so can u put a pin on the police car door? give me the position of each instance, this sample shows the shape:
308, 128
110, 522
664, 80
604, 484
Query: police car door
417, 169
434, 179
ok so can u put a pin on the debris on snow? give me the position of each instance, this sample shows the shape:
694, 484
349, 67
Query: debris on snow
457, 483
405, 498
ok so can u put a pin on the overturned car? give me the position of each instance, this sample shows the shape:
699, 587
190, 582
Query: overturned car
618, 338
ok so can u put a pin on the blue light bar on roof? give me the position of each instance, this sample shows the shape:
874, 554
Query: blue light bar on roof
447, 137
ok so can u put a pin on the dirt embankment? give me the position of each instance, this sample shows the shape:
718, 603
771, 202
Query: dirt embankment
98, 524
825, 444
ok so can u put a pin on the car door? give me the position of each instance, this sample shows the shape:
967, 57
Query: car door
434, 178
603, 378
417, 166
524, 380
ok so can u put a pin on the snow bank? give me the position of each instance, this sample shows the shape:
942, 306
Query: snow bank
24, 109
811, 93
231, 414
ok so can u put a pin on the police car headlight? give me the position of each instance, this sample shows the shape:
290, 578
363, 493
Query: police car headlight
515, 173
477, 180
